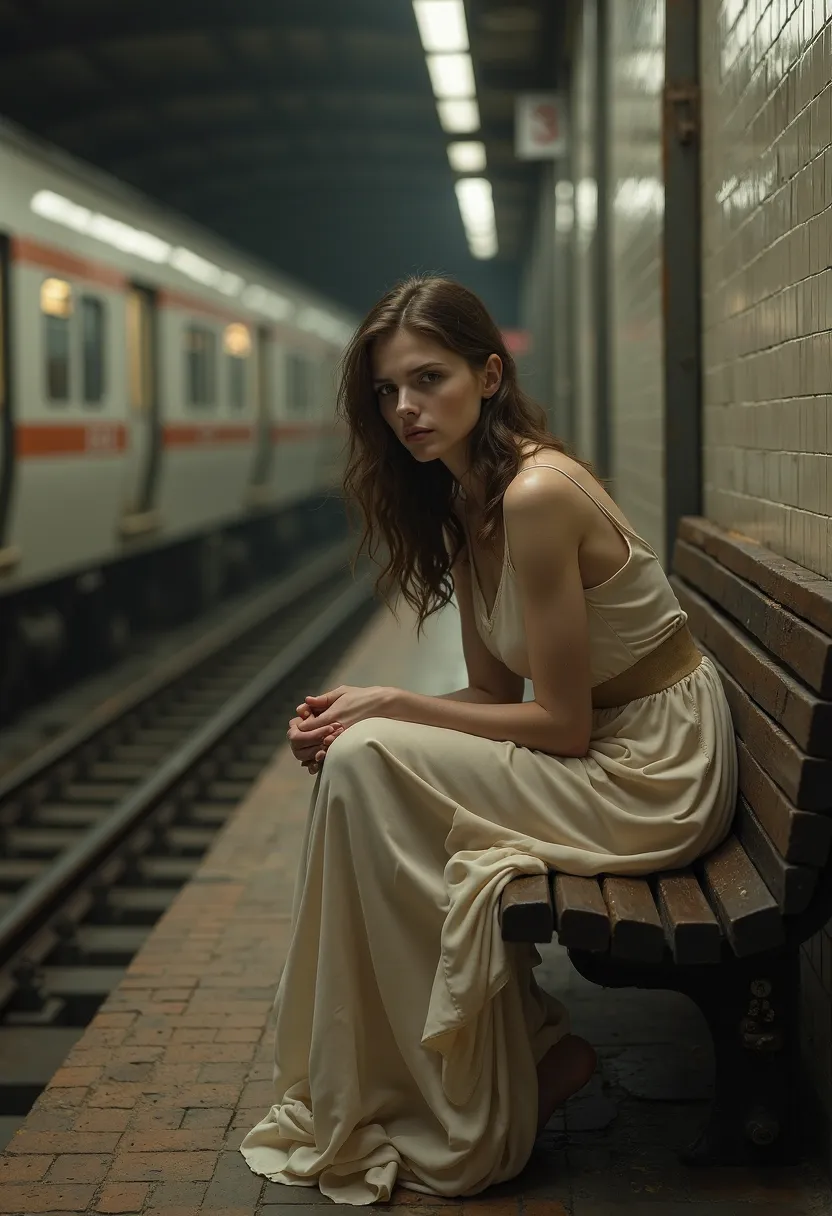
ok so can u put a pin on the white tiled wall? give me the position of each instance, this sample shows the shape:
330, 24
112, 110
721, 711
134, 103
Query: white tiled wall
767, 313
767, 282
636, 199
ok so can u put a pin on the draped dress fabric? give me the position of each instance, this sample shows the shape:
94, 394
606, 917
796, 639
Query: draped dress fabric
407, 1031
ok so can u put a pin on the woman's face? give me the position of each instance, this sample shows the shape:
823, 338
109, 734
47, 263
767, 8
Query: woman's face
430, 396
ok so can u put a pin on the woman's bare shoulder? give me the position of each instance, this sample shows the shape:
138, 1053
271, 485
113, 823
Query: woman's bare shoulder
553, 458
578, 492
538, 477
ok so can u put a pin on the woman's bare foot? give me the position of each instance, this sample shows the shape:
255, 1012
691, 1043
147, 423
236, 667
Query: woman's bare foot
566, 1068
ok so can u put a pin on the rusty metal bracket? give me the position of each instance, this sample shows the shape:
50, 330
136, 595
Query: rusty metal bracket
682, 101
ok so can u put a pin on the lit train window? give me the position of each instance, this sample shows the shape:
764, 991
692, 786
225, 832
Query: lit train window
237, 344
201, 365
56, 306
298, 384
93, 331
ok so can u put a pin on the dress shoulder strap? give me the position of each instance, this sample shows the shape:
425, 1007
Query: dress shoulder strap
621, 527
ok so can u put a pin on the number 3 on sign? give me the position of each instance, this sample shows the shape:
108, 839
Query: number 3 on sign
545, 124
539, 129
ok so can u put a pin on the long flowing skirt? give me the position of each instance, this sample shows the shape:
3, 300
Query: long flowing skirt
408, 1032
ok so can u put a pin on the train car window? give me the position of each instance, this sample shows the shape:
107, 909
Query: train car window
56, 307
93, 339
201, 365
237, 345
298, 384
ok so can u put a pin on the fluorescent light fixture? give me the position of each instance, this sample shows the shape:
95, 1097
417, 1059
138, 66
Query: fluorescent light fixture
459, 117
467, 156
483, 246
476, 205
444, 35
441, 25
451, 75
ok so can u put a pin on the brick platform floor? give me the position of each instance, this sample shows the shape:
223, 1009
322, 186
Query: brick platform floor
149, 1109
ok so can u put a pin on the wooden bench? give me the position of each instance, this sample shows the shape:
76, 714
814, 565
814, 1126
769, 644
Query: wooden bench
727, 931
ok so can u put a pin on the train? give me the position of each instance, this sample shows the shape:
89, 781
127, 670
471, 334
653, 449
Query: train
167, 414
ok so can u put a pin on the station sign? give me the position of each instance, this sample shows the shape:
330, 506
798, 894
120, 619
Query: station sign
539, 126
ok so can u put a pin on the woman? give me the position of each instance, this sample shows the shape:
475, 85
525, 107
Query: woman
411, 1041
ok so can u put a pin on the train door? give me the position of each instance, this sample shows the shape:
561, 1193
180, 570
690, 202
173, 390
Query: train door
145, 412
7, 450
263, 392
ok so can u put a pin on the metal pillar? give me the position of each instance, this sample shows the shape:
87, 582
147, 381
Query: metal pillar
681, 132
603, 349
7, 436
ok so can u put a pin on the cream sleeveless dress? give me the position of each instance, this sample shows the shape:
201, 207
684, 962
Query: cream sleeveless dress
407, 1031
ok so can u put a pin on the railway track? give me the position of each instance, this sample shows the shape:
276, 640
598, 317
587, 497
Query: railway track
103, 826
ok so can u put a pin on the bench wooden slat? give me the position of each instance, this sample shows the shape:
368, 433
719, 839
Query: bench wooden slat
806, 780
802, 714
792, 886
526, 913
801, 646
636, 931
746, 908
583, 923
690, 926
801, 837
802, 591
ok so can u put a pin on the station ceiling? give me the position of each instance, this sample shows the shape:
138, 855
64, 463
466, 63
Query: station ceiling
304, 131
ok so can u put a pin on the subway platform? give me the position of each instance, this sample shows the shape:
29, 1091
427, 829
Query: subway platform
149, 1109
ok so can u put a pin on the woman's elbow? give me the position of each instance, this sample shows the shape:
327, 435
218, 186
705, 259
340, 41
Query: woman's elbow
572, 744
570, 738
579, 747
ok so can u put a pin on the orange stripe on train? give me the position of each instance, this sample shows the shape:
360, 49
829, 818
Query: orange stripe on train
111, 438
95, 438
288, 431
58, 261
179, 436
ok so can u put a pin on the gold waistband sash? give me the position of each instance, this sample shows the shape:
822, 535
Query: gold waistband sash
670, 662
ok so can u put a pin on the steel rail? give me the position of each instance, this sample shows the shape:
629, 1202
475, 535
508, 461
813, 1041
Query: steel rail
41, 896
141, 690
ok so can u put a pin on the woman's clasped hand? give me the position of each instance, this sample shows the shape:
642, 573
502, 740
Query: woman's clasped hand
321, 719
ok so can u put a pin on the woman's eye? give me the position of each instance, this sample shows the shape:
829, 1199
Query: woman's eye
384, 390
431, 377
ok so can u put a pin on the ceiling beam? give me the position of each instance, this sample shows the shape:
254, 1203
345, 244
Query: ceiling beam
67, 29
335, 185
285, 154
382, 138
388, 87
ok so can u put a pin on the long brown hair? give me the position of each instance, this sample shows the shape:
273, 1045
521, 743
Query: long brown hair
408, 507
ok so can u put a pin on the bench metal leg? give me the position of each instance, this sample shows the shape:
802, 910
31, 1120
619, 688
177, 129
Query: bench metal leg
752, 1010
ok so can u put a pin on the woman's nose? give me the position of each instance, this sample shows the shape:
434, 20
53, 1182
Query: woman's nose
404, 404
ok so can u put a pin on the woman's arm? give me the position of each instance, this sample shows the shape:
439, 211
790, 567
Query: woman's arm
544, 533
489, 681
